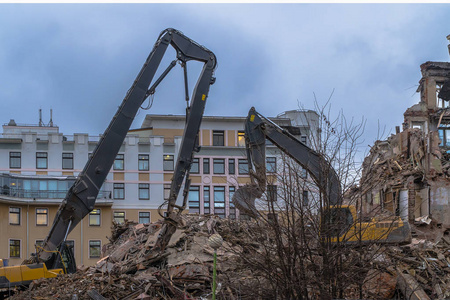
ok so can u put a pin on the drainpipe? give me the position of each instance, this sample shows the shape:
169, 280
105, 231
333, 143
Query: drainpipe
28, 232
81, 240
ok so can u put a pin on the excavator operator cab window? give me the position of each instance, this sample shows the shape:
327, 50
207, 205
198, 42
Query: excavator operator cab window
67, 257
337, 221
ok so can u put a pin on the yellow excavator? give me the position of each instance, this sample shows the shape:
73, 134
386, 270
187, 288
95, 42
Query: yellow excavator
55, 257
339, 222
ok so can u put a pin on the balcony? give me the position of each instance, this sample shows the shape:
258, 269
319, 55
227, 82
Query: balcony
43, 194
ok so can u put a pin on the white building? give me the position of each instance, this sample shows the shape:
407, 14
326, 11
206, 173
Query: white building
38, 164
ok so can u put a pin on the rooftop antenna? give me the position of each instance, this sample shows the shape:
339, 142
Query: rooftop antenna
40, 117
448, 38
51, 118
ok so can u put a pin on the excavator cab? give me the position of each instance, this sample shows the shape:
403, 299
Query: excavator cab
62, 258
336, 221
65, 259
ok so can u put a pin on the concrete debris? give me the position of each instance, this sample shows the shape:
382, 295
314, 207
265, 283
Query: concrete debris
420, 270
183, 271
424, 220
380, 285
408, 175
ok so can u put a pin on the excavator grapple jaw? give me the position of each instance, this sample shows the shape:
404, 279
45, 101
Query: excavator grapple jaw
244, 199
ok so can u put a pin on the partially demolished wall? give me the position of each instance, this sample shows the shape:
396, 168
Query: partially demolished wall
408, 174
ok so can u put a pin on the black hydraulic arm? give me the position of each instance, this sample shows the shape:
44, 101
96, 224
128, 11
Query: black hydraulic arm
257, 130
81, 197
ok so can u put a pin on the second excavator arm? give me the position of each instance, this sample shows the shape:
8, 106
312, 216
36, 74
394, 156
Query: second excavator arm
257, 130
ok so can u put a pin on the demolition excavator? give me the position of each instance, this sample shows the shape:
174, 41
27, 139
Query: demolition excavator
339, 222
54, 256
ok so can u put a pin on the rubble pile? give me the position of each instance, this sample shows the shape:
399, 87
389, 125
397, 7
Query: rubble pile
420, 270
408, 174
403, 157
183, 271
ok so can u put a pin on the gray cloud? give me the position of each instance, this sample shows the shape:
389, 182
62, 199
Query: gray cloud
80, 59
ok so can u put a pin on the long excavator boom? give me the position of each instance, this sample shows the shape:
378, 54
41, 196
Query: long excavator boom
81, 197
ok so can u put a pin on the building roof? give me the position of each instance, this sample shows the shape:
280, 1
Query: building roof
147, 123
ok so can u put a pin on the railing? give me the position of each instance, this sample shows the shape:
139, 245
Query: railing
29, 125
39, 194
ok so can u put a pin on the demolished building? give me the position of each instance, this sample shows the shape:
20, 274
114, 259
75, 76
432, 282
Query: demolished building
409, 173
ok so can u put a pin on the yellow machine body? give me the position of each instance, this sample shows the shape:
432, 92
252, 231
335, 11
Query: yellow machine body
23, 275
347, 228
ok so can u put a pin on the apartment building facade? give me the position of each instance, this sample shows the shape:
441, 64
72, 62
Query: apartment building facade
38, 164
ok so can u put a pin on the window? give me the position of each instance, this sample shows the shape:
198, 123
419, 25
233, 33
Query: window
195, 168
67, 160
166, 191
241, 139
219, 166
94, 217
14, 216
206, 197
119, 191
219, 201
243, 166
15, 160
95, 249
71, 245
218, 138
41, 216
231, 166
444, 135
303, 139
144, 191
337, 221
305, 199
144, 217
271, 164
440, 103
303, 173
14, 248
41, 160
271, 192
232, 189
194, 199
219, 197
143, 162
206, 166
168, 162
119, 162
119, 217
417, 125
38, 243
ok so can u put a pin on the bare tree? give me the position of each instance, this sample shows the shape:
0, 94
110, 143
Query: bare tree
298, 248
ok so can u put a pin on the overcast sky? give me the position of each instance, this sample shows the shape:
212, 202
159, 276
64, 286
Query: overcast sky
80, 59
